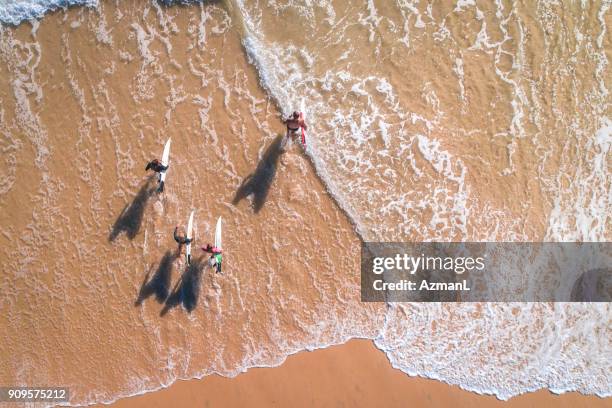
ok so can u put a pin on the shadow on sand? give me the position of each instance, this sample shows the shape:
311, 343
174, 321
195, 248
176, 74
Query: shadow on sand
130, 219
159, 284
259, 182
187, 289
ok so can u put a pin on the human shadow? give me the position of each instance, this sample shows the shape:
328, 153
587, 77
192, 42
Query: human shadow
259, 182
159, 284
594, 285
187, 289
130, 219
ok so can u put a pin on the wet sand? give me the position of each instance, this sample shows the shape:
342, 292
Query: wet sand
355, 374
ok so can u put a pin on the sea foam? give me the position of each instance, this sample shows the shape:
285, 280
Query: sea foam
16, 11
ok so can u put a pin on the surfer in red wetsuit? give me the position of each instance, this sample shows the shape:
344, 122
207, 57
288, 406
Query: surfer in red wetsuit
294, 123
156, 166
216, 256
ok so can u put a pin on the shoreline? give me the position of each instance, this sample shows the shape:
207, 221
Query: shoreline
308, 373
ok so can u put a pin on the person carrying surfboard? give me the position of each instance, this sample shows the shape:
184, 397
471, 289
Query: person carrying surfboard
216, 256
181, 238
294, 123
161, 166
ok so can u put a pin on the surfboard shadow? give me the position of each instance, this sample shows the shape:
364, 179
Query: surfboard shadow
259, 182
187, 289
159, 284
130, 219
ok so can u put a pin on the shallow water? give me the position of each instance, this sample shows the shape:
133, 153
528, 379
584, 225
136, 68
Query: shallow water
444, 121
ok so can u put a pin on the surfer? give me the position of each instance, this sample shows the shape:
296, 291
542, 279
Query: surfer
216, 256
294, 123
181, 238
156, 166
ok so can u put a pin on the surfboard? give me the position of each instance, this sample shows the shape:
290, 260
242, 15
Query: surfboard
165, 160
304, 117
189, 236
218, 234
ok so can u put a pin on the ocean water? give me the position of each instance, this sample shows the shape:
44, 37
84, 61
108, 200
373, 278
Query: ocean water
443, 121
14, 12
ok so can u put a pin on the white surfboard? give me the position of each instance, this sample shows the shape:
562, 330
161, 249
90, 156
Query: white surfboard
218, 234
165, 160
189, 236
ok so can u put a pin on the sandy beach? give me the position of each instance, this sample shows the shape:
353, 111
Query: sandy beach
354, 374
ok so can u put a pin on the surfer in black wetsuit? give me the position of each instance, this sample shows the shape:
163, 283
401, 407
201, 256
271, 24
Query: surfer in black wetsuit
181, 238
294, 123
156, 166
159, 168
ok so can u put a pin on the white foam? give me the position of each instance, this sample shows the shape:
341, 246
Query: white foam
582, 211
461, 4
16, 11
458, 69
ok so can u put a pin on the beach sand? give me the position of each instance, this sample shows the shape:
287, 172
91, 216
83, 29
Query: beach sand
355, 374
